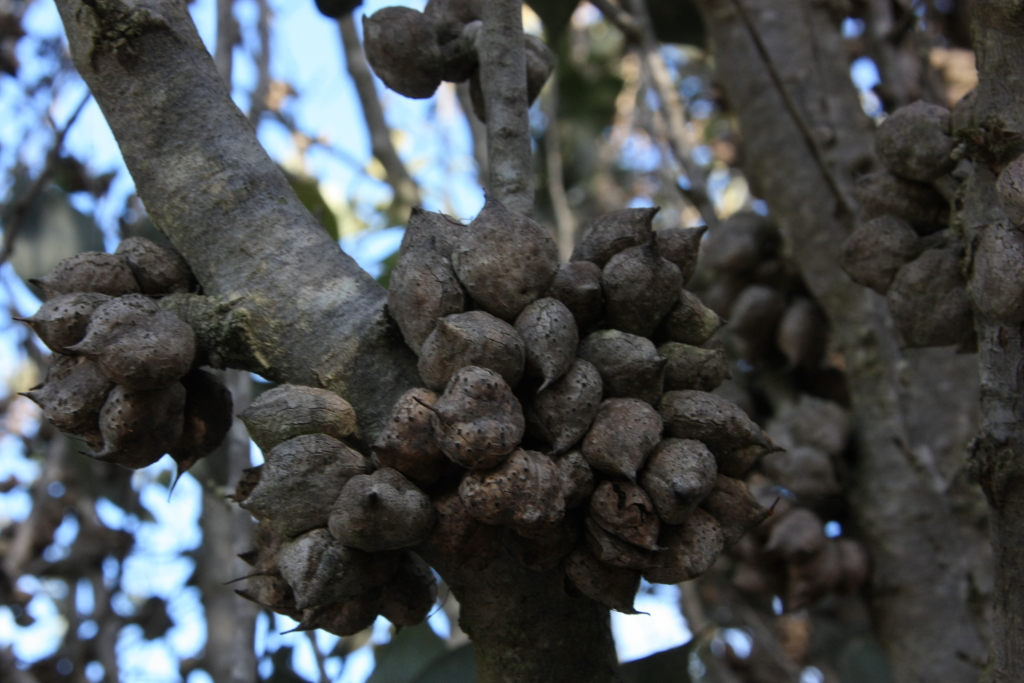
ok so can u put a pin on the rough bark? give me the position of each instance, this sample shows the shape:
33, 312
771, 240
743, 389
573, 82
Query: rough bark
313, 316
525, 628
906, 523
503, 79
993, 133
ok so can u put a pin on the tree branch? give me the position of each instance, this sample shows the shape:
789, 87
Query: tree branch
224, 204
21, 206
915, 548
406, 193
503, 79
564, 221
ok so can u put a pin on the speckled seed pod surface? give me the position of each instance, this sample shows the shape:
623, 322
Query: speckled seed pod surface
623, 434
139, 427
679, 474
578, 285
505, 260
90, 271
549, 336
478, 421
706, 417
422, 289
690, 321
915, 142
919, 204
640, 288
381, 511
408, 443
526, 491
929, 301
612, 232
680, 246
629, 365
291, 410
877, 249
689, 549
401, 46
62, 321
158, 269
562, 413
472, 338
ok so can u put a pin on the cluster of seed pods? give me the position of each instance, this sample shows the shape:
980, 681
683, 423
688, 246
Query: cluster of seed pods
412, 51
776, 327
123, 376
331, 549
565, 412
905, 249
790, 555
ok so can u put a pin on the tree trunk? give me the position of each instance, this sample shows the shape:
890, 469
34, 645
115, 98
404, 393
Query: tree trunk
990, 128
804, 145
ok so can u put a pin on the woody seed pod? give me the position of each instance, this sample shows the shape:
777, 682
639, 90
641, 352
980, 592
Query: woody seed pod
629, 365
921, 205
738, 462
680, 246
997, 274
544, 551
291, 410
549, 335
410, 594
336, 9
273, 592
578, 285
689, 549
478, 420
62, 321
613, 587
610, 233
208, 417
640, 288
401, 45
855, 565
804, 470
144, 355
755, 315
624, 433
813, 422
505, 260
246, 483
716, 421
812, 578
301, 479
797, 535
877, 249
462, 538
577, 477
381, 511
737, 511
115, 316
802, 334
431, 230
343, 618
690, 321
679, 474
157, 269
408, 443
693, 367
929, 302
322, 571
915, 142
623, 509
90, 271
562, 413
613, 551
740, 243
72, 403
471, 338
526, 491
452, 15
422, 289
138, 427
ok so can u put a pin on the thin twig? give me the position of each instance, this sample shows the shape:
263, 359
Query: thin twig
262, 89
565, 223
406, 192
794, 110
672, 109
20, 207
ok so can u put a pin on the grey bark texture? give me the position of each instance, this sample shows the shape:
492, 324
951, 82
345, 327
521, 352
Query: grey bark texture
991, 128
503, 80
915, 547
